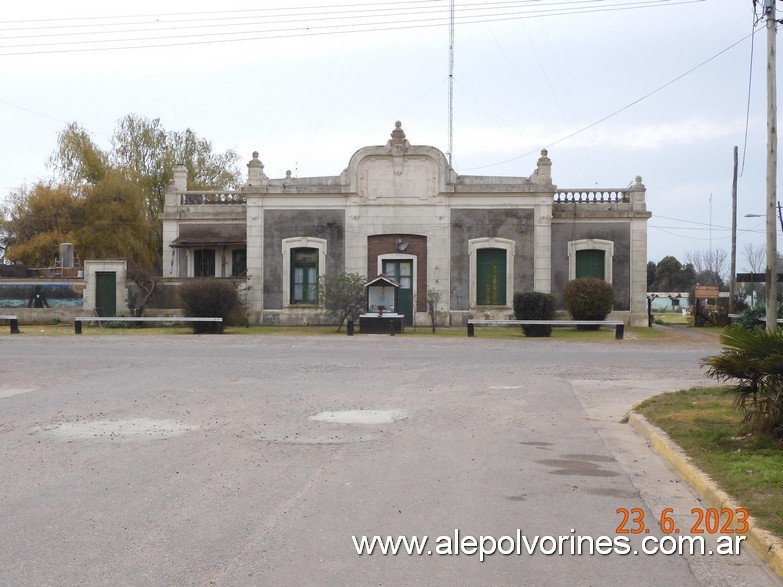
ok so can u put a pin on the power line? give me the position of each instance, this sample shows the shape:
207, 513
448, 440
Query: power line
620, 110
499, 12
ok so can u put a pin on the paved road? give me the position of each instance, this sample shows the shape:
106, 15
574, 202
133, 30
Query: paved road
190, 460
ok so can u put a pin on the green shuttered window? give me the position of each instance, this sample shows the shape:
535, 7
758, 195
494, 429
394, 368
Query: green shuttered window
304, 276
590, 263
491, 277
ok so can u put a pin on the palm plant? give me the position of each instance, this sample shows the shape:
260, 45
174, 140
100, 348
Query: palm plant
752, 360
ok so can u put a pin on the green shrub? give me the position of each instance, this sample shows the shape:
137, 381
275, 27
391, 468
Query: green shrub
752, 360
534, 305
711, 314
209, 298
755, 316
588, 298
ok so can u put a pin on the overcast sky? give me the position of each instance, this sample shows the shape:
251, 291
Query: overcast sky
612, 88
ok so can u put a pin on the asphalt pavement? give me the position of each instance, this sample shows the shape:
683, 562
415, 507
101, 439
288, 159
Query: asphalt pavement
261, 460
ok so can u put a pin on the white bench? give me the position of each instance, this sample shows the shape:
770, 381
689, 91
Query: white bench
14, 321
77, 322
619, 325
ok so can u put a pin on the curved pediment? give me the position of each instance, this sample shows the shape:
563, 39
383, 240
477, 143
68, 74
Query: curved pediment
399, 171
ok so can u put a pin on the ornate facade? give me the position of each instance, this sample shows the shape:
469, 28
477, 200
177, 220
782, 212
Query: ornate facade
401, 210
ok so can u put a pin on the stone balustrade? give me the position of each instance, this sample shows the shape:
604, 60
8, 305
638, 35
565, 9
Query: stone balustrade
224, 198
590, 196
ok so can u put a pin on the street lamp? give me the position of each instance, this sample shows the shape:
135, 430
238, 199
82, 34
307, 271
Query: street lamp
780, 216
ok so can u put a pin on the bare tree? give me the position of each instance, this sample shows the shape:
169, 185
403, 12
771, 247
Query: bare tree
146, 282
710, 266
755, 259
433, 299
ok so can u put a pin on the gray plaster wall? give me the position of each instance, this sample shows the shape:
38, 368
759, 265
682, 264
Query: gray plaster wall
282, 224
618, 232
467, 224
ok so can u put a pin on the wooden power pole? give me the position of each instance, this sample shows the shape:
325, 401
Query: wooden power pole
733, 276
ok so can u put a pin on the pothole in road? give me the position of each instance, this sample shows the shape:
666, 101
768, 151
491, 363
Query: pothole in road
360, 416
117, 429
321, 439
12, 392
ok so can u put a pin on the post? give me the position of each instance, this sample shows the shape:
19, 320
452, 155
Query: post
772, 169
77, 326
471, 329
14, 325
733, 276
349, 328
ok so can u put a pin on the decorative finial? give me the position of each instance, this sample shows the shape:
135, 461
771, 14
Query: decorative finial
398, 135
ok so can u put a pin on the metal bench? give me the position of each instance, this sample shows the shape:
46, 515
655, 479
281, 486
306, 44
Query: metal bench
13, 321
77, 322
619, 325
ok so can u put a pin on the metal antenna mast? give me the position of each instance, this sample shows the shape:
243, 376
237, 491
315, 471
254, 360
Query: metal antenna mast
451, 78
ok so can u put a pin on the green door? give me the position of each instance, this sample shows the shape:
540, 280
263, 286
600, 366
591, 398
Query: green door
491, 277
106, 293
402, 273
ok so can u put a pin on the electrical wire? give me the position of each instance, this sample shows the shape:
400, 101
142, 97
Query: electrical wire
303, 29
750, 83
620, 110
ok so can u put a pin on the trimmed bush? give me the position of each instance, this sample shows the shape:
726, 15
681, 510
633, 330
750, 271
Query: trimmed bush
534, 305
588, 298
209, 298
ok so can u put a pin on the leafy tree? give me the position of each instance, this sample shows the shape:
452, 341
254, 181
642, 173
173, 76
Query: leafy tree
709, 277
78, 159
36, 220
116, 224
108, 202
146, 152
343, 296
651, 267
671, 275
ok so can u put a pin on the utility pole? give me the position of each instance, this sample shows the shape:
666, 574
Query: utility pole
733, 276
451, 79
772, 170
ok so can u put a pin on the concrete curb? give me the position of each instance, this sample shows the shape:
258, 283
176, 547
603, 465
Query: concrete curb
767, 546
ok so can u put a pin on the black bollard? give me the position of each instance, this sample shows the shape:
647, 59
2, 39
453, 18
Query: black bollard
349, 328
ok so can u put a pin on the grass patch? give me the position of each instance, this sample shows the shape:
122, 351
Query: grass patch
747, 466
670, 318
491, 332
